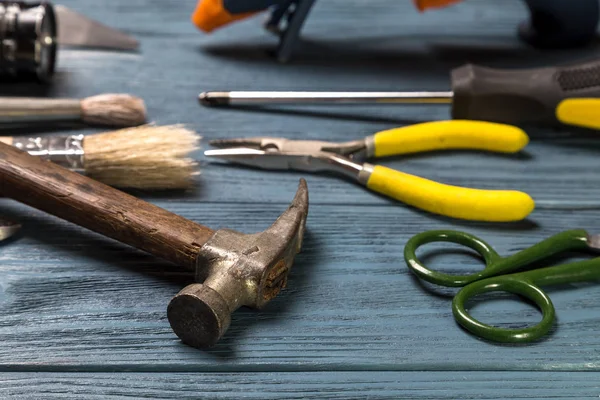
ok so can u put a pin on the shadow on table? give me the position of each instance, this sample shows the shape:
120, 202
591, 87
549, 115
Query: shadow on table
396, 55
341, 113
567, 137
29, 86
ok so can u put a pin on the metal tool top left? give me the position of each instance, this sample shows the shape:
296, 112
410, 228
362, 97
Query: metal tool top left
30, 34
28, 38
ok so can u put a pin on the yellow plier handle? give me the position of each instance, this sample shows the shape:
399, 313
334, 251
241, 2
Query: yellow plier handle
448, 135
451, 201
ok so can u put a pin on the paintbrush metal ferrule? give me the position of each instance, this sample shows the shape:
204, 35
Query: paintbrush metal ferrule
66, 150
17, 110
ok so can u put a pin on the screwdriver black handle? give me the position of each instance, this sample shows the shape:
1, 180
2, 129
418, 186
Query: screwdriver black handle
549, 96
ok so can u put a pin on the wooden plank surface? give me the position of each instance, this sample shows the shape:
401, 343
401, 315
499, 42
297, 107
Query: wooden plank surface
351, 302
80, 313
334, 385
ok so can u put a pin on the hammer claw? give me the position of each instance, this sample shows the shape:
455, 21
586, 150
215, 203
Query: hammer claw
291, 223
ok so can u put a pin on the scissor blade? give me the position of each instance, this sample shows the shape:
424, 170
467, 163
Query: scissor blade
8, 228
78, 30
253, 158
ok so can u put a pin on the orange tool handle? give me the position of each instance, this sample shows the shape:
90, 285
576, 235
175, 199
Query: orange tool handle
212, 14
423, 5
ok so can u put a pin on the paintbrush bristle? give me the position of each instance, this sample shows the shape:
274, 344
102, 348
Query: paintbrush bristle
146, 157
113, 110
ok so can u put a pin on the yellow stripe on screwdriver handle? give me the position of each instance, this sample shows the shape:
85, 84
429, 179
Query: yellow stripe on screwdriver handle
443, 135
451, 201
582, 112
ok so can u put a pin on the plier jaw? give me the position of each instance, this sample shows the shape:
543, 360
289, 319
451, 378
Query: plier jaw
354, 150
284, 154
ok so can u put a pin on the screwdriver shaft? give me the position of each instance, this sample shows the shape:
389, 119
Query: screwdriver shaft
292, 97
550, 96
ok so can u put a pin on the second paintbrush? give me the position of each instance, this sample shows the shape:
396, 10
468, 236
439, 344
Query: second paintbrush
146, 157
111, 109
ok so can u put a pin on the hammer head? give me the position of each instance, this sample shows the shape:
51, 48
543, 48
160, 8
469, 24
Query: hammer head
238, 270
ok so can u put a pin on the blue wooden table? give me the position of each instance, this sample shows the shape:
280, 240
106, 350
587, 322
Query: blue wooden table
83, 316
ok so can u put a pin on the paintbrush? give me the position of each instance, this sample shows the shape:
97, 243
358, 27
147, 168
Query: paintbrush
106, 109
146, 157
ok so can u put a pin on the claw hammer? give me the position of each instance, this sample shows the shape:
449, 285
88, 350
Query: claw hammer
236, 269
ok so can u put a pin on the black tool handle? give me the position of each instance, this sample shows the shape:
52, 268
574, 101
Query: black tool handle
554, 95
560, 23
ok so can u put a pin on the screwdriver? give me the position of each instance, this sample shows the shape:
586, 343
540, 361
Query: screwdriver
546, 96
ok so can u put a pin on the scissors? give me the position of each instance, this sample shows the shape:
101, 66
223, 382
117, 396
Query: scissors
347, 159
498, 276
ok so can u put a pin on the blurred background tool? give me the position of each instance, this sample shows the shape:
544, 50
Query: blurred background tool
146, 157
8, 228
344, 158
28, 39
499, 276
549, 96
110, 109
553, 23
75, 29
32, 31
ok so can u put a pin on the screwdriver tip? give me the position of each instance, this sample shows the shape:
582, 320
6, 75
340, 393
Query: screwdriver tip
213, 99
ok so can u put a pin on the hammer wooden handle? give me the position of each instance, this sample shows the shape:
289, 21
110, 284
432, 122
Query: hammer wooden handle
100, 208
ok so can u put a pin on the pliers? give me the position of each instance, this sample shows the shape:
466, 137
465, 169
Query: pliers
346, 158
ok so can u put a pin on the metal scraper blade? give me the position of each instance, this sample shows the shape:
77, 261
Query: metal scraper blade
78, 30
8, 228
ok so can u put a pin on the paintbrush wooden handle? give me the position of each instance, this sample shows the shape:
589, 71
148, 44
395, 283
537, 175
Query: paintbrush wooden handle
100, 208
27, 109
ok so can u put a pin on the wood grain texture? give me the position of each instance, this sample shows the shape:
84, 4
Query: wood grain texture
345, 385
351, 304
88, 315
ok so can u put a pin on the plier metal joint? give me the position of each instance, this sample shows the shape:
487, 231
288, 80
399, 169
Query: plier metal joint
299, 155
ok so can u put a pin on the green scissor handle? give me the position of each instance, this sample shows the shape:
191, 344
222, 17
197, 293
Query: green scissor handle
494, 277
